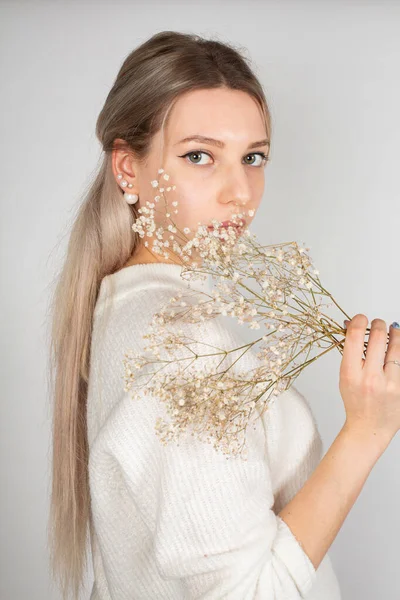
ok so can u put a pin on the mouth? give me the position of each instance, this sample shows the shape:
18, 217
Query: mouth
225, 224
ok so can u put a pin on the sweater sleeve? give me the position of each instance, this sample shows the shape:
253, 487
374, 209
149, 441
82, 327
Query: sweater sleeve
216, 530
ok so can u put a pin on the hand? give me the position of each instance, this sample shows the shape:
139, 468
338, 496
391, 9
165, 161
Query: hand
370, 390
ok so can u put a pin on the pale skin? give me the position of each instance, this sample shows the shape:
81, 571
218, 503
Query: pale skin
371, 397
224, 184
215, 182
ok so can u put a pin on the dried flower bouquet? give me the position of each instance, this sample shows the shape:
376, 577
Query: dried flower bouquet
272, 288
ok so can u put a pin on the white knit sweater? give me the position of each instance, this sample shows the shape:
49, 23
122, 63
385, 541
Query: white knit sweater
184, 522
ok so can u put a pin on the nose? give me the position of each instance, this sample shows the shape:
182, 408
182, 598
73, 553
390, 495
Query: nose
237, 191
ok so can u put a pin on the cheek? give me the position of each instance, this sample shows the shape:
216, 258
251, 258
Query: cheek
191, 211
193, 205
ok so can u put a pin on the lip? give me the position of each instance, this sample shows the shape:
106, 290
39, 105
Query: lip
238, 225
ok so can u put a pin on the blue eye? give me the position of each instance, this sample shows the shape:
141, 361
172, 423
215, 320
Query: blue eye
264, 157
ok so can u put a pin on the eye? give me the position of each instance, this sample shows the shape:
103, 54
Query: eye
195, 153
264, 158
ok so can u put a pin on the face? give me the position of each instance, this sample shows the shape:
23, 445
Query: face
214, 180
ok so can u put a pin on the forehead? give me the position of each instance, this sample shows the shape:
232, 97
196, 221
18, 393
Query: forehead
229, 115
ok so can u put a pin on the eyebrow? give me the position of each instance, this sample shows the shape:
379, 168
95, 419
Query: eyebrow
218, 143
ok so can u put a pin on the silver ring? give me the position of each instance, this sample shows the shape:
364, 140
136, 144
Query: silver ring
396, 362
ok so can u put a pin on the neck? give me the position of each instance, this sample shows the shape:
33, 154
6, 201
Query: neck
144, 255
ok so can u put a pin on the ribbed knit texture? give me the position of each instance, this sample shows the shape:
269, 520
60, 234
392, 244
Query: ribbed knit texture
182, 521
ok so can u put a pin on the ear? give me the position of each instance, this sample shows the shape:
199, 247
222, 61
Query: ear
123, 163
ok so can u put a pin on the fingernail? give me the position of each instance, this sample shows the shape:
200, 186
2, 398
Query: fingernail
345, 323
395, 325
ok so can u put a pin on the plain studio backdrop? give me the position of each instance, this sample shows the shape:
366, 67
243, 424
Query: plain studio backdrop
331, 75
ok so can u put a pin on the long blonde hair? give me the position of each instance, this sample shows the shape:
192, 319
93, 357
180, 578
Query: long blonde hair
150, 80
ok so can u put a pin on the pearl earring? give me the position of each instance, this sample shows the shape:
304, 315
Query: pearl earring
130, 198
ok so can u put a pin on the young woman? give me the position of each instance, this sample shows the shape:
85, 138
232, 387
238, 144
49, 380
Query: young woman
182, 521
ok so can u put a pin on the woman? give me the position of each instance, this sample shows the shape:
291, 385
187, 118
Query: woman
180, 521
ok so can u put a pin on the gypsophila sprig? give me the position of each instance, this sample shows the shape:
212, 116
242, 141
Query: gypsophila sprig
275, 290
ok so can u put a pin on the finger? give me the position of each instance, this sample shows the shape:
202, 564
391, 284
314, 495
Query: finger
376, 347
354, 345
393, 353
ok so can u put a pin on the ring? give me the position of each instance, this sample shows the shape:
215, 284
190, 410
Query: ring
396, 362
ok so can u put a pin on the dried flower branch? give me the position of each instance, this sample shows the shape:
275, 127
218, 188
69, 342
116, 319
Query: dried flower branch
275, 288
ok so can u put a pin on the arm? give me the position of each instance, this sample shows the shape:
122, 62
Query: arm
319, 509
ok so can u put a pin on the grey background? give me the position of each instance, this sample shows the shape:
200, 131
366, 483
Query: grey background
331, 74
